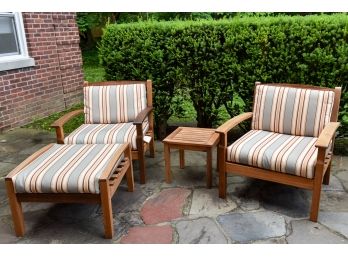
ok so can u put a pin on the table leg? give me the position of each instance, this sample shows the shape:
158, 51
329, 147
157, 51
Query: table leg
167, 163
217, 161
182, 158
209, 168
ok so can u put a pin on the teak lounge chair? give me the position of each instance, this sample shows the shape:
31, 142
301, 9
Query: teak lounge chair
291, 138
115, 112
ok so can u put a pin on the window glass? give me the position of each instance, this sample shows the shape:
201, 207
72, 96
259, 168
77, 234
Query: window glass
8, 36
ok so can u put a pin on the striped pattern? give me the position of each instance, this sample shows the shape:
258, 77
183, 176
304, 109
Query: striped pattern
66, 169
295, 155
113, 104
106, 134
293, 111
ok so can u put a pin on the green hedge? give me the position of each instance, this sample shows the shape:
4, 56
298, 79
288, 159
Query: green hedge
216, 60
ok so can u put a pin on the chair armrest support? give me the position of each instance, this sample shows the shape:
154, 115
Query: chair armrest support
142, 115
58, 124
228, 125
327, 134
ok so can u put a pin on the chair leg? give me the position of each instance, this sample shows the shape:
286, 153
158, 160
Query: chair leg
222, 183
315, 203
142, 167
152, 146
129, 172
318, 179
182, 158
107, 209
222, 173
16, 209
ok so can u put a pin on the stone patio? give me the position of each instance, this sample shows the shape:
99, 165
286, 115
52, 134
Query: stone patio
182, 212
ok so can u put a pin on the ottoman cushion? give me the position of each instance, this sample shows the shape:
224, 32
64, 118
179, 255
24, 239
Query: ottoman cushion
66, 169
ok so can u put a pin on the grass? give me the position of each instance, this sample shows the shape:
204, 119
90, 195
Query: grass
45, 123
92, 69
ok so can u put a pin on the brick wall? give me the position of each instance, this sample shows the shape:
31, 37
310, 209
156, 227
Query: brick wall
55, 82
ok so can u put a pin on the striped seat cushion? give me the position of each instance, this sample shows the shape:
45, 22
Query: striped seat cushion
293, 111
113, 104
295, 155
106, 134
66, 169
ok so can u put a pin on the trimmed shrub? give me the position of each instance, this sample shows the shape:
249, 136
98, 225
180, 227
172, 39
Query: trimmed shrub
215, 60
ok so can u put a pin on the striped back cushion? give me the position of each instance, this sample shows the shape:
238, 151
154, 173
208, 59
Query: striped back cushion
113, 104
293, 111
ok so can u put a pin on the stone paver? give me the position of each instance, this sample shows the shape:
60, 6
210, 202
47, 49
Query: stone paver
6, 231
246, 192
5, 168
166, 206
291, 201
124, 221
279, 240
339, 163
244, 227
334, 185
307, 232
334, 201
200, 231
255, 211
3, 193
343, 176
206, 202
124, 201
149, 235
27, 207
337, 221
189, 177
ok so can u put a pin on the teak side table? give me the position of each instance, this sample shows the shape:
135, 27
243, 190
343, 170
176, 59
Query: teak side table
194, 139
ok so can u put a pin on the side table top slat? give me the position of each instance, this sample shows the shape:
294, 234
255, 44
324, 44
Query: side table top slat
193, 136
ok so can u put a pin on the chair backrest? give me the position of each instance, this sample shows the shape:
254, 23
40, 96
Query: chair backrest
299, 110
115, 101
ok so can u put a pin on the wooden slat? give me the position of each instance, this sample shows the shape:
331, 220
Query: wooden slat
109, 168
194, 137
58, 198
116, 182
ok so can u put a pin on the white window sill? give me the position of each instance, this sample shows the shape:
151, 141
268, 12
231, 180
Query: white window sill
15, 62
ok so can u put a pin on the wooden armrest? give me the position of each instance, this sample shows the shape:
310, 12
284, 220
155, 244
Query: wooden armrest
228, 125
142, 115
58, 124
65, 118
327, 134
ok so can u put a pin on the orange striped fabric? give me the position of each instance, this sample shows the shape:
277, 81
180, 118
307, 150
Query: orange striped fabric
293, 111
296, 155
106, 134
66, 169
113, 104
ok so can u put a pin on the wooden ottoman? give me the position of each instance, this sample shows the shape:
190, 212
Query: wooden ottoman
70, 174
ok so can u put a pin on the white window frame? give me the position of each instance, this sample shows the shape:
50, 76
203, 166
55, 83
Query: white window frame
21, 60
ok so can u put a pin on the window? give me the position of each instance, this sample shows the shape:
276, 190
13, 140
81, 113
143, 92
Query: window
13, 45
